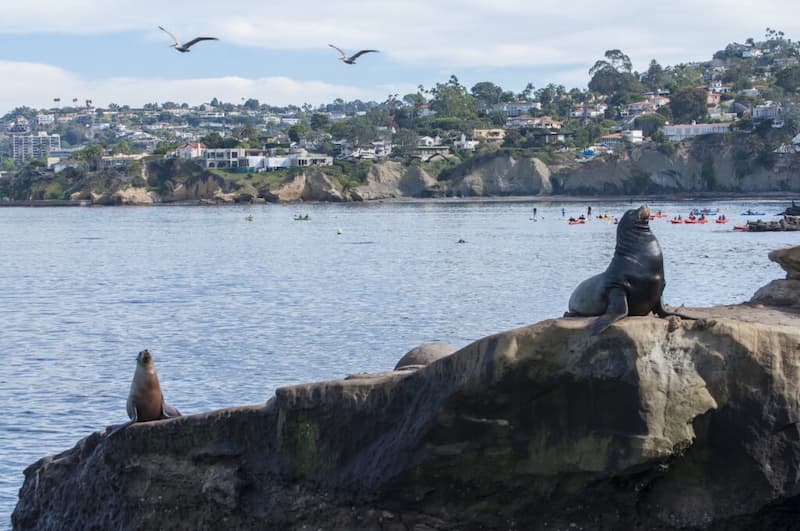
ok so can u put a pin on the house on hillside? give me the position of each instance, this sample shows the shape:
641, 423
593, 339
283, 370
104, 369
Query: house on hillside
768, 111
585, 110
516, 108
427, 147
465, 145
228, 158
490, 135
678, 132
542, 122
191, 150
719, 87
117, 161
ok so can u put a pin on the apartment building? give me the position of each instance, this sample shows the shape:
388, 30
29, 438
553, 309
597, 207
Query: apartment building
30, 147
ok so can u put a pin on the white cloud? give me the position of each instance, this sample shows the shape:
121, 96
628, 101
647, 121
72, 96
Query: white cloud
444, 33
36, 85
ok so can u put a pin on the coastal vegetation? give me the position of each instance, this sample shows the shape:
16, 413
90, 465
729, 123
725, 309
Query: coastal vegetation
447, 129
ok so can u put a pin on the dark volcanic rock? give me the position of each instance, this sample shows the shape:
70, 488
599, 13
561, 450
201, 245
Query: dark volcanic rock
655, 424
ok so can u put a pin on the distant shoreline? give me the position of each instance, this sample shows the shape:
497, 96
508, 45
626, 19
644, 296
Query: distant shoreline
699, 196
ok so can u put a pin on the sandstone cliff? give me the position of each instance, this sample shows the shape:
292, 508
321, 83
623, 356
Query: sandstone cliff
311, 185
654, 424
706, 165
394, 179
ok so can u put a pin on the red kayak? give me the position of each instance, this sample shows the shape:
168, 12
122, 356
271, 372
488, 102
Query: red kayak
676, 221
740, 227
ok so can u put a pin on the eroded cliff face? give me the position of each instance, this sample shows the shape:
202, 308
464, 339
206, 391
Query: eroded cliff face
692, 167
392, 179
311, 185
654, 424
504, 175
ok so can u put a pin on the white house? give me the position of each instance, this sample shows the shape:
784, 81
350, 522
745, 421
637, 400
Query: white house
45, 119
466, 145
720, 87
634, 136
767, 111
585, 110
115, 161
192, 150
677, 132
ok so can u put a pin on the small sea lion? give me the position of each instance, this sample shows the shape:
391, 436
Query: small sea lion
634, 281
425, 354
145, 400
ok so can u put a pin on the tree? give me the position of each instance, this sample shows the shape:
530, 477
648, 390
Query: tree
613, 76
649, 123
319, 122
527, 92
252, 104
91, 155
452, 99
122, 147
248, 132
405, 143
654, 77
298, 131
213, 140
788, 78
683, 75
689, 104
487, 92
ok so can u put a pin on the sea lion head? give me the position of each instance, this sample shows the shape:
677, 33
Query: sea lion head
635, 218
144, 358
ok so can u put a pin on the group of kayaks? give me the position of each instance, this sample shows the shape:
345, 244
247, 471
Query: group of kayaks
697, 220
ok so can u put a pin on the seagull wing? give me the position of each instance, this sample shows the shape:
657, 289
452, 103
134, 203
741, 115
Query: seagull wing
360, 53
198, 39
344, 55
174, 40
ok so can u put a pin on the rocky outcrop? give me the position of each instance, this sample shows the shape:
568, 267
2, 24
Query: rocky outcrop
311, 185
654, 424
503, 175
782, 292
393, 179
705, 165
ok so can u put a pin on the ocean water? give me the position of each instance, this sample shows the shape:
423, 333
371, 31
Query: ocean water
234, 308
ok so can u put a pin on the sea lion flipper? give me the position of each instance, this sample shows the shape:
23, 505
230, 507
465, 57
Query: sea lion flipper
662, 312
616, 310
169, 411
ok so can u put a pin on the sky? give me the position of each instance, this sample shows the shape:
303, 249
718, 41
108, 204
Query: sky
276, 51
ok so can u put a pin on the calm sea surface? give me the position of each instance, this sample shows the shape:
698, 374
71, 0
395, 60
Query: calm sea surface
233, 309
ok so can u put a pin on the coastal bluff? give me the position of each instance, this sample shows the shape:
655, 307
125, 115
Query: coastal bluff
654, 424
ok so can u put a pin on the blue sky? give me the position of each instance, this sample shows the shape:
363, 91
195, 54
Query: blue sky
277, 51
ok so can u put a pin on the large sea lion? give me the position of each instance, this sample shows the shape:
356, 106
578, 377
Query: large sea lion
145, 400
633, 282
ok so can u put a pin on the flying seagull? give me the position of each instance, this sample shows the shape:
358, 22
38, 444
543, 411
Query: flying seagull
183, 48
352, 59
